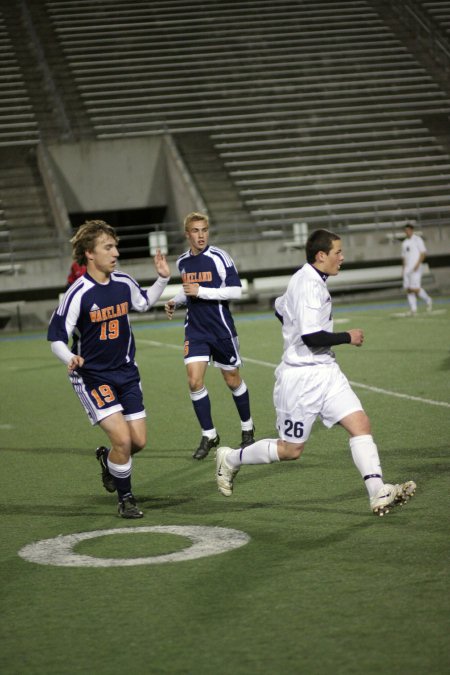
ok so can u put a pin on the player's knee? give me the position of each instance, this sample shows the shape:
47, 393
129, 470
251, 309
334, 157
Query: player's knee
137, 447
138, 441
232, 378
195, 383
290, 451
362, 425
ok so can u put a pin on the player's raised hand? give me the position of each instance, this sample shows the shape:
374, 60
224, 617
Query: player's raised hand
161, 264
356, 336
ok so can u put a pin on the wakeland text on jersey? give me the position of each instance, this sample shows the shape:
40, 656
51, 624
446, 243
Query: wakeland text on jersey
108, 312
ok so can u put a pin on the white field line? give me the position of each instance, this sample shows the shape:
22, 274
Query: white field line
266, 364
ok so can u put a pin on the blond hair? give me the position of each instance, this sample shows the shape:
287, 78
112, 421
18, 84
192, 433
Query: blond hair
194, 217
86, 237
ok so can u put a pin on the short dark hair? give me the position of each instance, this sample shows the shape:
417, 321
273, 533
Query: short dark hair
319, 240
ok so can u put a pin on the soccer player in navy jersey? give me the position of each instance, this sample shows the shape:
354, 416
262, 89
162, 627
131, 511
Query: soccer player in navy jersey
94, 313
309, 383
210, 281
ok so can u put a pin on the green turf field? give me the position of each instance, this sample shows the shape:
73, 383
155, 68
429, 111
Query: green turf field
322, 586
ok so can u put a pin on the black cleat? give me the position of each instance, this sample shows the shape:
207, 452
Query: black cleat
206, 444
108, 481
128, 508
247, 438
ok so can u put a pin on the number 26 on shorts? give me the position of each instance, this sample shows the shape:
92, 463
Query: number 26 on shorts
293, 429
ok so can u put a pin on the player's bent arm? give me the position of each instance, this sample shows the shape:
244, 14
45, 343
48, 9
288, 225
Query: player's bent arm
61, 350
225, 293
325, 339
322, 338
279, 306
171, 305
422, 257
179, 299
155, 291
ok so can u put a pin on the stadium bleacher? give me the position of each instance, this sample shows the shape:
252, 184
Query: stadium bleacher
322, 113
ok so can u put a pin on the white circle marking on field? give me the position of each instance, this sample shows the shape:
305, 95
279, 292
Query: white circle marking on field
206, 541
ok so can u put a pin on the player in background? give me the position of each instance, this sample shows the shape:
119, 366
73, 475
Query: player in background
94, 312
75, 272
210, 280
413, 255
310, 384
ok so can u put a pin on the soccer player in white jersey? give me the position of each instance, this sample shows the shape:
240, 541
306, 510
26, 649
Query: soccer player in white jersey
413, 255
310, 384
210, 280
94, 313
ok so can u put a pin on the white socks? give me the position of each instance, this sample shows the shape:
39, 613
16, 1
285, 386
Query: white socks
120, 470
412, 301
423, 295
363, 449
365, 456
261, 452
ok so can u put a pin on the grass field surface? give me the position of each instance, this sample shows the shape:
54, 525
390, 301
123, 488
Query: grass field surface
318, 585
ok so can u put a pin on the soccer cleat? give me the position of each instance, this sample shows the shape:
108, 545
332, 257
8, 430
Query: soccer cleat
129, 509
430, 306
247, 437
206, 444
391, 495
224, 473
385, 497
406, 491
108, 481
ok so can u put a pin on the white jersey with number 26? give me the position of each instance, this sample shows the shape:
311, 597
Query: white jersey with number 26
305, 308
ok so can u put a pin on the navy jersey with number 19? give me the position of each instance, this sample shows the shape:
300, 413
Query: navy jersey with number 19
96, 316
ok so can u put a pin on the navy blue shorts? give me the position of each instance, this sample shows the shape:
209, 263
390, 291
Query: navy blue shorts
224, 353
102, 394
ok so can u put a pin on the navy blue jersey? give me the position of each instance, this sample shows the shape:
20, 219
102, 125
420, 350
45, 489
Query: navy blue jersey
212, 268
96, 316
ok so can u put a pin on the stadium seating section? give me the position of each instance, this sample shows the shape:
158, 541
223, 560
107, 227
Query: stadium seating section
333, 113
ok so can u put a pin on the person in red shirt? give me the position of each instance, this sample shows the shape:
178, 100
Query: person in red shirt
76, 271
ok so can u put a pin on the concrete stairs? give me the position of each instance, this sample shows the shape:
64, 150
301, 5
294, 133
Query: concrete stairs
225, 206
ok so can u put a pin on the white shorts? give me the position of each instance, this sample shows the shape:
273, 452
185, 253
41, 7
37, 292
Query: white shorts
303, 393
412, 279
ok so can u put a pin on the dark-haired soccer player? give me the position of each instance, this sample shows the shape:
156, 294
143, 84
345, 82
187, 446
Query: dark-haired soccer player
94, 312
210, 280
310, 384
413, 254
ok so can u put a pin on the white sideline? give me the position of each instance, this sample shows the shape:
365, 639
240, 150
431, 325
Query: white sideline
266, 364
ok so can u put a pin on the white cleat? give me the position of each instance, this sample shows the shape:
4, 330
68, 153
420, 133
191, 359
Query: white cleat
407, 490
224, 473
391, 495
430, 306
